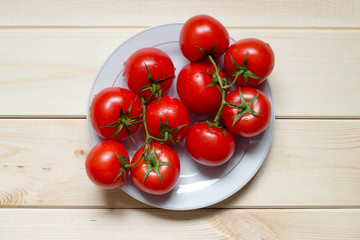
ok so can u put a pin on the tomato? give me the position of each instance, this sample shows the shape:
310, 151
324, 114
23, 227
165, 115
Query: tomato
109, 113
210, 145
203, 32
161, 72
256, 116
167, 119
260, 61
193, 87
105, 162
164, 160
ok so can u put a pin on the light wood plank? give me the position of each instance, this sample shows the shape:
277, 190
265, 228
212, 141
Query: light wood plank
311, 163
278, 13
49, 72
158, 224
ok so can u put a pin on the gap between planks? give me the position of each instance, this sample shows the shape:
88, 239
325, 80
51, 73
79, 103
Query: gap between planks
145, 27
85, 117
294, 207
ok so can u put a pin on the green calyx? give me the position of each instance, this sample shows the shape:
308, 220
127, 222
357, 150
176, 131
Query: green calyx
124, 122
243, 70
215, 124
209, 52
123, 164
152, 161
166, 133
215, 80
244, 107
219, 82
153, 86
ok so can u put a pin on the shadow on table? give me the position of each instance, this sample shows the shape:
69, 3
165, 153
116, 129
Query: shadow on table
118, 202
116, 199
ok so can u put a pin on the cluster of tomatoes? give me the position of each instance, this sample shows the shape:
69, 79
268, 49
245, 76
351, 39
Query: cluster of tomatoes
203, 88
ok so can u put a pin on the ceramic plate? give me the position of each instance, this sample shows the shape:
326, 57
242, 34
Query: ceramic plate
198, 186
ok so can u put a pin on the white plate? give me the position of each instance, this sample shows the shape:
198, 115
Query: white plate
198, 186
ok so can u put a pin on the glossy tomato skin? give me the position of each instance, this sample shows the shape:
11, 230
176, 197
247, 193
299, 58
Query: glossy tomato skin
169, 173
168, 108
192, 87
209, 145
103, 166
160, 67
249, 125
203, 31
105, 109
260, 56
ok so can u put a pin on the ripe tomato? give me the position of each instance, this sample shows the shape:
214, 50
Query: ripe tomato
158, 172
109, 113
203, 32
210, 145
160, 68
193, 87
259, 62
167, 119
105, 162
255, 117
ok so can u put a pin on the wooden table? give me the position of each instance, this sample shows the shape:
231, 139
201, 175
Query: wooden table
308, 186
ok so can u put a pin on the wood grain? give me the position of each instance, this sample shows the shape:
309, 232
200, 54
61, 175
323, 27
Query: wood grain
311, 164
278, 13
49, 72
202, 224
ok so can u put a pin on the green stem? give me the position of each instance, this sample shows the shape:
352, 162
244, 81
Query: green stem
150, 157
236, 77
136, 122
132, 164
219, 112
222, 90
148, 136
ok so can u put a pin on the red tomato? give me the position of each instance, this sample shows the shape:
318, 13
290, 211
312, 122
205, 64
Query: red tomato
109, 113
203, 32
168, 115
260, 61
103, 165
251, 123
209, 145
169, 173
192, 87
159, 65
